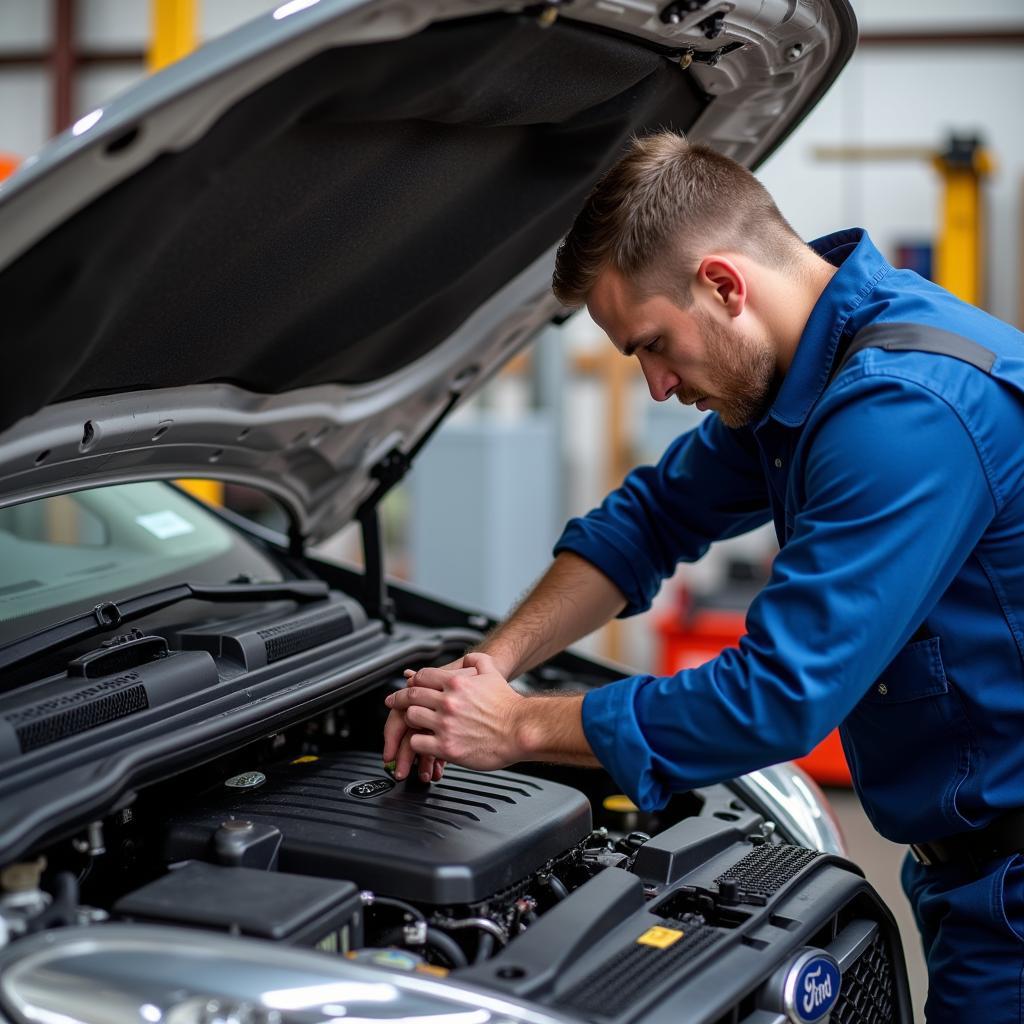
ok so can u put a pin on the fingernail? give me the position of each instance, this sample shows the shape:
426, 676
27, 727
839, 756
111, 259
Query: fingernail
399, 776
389, 699
424, 776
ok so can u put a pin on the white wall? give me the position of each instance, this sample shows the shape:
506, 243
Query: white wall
26, 105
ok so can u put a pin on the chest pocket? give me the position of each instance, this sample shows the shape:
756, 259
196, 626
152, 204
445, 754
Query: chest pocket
909, 747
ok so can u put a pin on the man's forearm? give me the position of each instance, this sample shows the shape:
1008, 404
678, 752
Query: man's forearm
551, 729
572, 599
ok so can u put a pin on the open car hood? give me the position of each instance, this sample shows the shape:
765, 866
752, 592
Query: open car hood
281, 261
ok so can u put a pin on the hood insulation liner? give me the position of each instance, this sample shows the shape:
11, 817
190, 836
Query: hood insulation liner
341, 221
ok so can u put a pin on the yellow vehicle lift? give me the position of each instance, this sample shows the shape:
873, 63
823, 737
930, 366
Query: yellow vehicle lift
963, 167
174, 32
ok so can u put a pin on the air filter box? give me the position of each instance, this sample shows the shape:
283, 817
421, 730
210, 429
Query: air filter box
299, 911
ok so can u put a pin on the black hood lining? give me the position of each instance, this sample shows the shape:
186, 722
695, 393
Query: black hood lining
341, 221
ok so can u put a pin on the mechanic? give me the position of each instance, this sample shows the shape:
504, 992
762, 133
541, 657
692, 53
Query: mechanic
878, 421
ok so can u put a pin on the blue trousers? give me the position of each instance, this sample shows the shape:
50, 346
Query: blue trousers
972, 927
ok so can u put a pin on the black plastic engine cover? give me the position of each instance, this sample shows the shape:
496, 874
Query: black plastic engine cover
452, 842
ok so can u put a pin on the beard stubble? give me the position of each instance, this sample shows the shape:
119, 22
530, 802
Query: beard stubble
741, 371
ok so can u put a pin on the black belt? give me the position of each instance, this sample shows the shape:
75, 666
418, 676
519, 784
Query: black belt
1000, 838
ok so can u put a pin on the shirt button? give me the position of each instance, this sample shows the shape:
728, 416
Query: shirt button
883, 689
778, 463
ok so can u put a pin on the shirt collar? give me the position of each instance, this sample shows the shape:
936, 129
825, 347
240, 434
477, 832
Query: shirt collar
861, 267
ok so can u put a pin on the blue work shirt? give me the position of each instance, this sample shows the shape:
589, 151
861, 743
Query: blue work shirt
895, 603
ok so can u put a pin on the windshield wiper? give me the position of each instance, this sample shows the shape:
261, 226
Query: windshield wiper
111, 614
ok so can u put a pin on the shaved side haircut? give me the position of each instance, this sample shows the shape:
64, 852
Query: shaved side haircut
657, 212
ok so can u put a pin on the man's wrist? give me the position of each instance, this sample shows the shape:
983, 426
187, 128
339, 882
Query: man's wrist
545, 728
504, 659
525, 733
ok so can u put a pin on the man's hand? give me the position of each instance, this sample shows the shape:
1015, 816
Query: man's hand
398, 734
480, 722
466, 715
572, 599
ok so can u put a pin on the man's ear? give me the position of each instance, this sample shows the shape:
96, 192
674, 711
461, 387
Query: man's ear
723, 283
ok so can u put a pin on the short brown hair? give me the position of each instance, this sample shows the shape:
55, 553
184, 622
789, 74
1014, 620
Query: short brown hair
659, 210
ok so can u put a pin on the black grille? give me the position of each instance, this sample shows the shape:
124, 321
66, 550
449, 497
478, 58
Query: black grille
867, 995
633, 972
308, 632
766, 869
42, 731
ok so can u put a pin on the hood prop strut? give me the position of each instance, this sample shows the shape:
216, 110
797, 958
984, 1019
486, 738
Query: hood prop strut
387, 472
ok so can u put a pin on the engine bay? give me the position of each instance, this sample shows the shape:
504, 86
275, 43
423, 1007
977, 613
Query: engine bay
540, 883
305, 839
236, 808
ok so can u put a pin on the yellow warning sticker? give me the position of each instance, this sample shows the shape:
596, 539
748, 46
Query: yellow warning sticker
306, 759
660, 938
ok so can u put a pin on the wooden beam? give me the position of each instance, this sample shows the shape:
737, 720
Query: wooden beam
62, 63
35, 58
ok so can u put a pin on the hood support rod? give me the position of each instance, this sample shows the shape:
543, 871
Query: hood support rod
388, 472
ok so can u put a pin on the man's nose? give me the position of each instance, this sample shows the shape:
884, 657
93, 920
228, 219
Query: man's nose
660, 381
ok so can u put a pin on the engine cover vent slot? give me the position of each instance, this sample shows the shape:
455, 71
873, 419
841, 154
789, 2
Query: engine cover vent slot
55, 719
631, 974
766, 869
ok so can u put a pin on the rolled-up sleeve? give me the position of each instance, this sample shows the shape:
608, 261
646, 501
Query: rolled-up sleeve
894, 498
707, 486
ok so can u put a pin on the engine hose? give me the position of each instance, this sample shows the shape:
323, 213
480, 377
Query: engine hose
436, 940
485, 947
64, 908
557, 887
373, 900
447, 947
392, 937
484, 924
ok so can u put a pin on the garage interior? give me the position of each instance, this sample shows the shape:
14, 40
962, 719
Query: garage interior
918, 141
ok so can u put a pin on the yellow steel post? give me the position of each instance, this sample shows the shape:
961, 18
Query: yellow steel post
174, 37
959, 264
174, 32
960, 252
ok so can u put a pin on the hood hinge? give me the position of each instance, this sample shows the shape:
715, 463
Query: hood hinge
387, 472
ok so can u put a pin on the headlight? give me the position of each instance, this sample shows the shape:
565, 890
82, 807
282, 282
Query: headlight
792, 799
127, 974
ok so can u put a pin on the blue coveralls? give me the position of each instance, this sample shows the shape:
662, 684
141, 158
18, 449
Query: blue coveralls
894, 607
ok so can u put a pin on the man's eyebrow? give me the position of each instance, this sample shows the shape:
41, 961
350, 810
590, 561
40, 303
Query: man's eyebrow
633, 344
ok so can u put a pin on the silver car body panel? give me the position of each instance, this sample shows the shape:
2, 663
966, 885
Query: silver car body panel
793, 799
124, 974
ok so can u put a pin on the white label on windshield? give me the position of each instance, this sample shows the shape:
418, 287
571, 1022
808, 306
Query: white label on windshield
165, 524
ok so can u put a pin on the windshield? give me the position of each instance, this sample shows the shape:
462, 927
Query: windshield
59, 555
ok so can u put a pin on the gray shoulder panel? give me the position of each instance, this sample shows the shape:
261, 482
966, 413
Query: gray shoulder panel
904, 337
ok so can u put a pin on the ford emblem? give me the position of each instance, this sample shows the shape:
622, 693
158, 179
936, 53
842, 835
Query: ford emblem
369, 788
811, 987
247, 780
